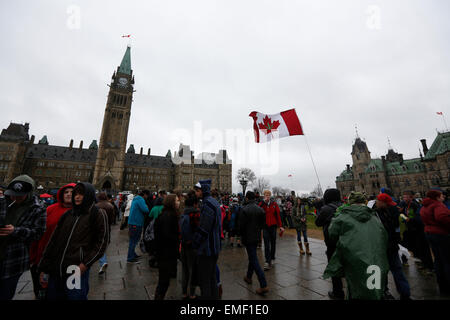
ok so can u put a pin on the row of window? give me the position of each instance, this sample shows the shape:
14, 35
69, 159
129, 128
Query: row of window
3, 166
5, 157
119, 99
61, 165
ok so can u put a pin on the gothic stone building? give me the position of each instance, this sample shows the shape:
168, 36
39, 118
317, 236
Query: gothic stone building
108, 165
431, 169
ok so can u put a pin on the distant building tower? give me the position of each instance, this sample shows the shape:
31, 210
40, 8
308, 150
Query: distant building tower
110, 163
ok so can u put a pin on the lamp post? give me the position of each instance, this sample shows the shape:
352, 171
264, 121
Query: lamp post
243, 183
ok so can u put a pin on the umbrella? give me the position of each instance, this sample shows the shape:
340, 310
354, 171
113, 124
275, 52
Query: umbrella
45, 195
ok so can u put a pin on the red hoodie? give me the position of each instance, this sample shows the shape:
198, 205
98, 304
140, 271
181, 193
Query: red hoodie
272, 213
54, 212
435, 216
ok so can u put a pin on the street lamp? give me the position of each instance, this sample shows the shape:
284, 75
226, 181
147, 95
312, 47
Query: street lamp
243, 183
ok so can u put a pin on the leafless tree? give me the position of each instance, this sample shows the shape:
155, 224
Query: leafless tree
247, 174
261, 184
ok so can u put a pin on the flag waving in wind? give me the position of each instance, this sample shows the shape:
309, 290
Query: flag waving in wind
267, 127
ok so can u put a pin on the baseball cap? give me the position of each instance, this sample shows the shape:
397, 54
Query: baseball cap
384, 197
18, 188
198, 185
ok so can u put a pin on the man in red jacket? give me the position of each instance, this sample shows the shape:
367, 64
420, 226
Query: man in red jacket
273, 221
436, 218
54, 212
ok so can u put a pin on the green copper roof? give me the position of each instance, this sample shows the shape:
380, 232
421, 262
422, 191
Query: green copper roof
131, 149
440, 145
375, 165
43, 140
345, 176
408, 166
125, 65
93, 145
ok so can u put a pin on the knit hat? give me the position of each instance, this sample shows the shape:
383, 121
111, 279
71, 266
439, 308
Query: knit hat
356, 197
384, 197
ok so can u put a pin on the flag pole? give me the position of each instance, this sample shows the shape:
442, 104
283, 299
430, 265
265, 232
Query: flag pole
312, 160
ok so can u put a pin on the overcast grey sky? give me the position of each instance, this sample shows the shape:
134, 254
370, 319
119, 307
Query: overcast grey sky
383, 65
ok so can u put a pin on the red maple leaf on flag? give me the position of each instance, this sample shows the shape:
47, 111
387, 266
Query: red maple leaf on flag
268, 126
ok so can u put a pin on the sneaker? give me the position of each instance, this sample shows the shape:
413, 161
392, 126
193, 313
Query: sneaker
133, 261
103, 268
266, 266
262, 291
248, 280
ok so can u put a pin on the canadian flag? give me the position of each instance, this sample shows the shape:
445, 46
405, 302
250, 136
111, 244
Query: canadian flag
274, 126
439, 113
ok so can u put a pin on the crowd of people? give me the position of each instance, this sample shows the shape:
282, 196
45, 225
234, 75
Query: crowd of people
363, 236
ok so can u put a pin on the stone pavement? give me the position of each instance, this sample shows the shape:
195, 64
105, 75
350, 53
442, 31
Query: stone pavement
293, 277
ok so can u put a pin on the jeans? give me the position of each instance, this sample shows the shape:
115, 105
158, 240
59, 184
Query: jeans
270, 241
253, 265
103, 260
440, 244
289, 220
57, 288
395, 265
189, 269
8, 287
207, 278
299, 235
135, 236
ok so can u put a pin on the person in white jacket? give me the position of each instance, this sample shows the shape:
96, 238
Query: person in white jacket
127, 212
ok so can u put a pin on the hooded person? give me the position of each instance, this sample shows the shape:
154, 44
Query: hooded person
332, 201
22, 221
79, 240
436, 218
361, 250
54, 213
206, 240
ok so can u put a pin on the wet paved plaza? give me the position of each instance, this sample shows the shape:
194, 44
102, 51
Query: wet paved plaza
293, 277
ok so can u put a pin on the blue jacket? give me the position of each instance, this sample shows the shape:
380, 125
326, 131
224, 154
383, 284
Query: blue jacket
138, 211
207, 237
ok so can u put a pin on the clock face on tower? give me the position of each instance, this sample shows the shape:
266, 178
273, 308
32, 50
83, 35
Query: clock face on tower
123, 82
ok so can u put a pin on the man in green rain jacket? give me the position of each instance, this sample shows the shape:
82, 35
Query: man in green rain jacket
361, 246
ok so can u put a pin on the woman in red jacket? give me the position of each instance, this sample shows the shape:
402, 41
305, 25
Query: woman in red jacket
436, 218
54, 212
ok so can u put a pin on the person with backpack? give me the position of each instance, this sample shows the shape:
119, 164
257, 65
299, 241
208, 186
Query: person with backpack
299, 220
157, 206
79, 240
189, 222
233, 224
138, 211
332, 200
388, 214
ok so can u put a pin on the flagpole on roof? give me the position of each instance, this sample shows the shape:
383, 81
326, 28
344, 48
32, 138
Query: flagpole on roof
443, 119
314, 165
